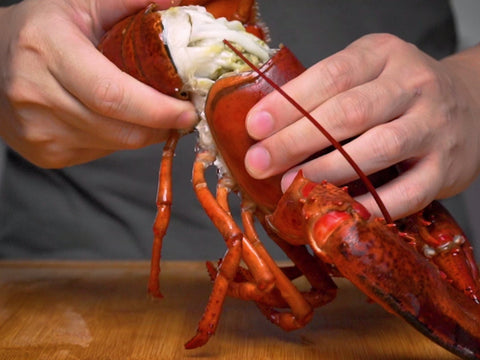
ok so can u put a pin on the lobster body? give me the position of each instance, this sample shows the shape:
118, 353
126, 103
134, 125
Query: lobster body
421, 268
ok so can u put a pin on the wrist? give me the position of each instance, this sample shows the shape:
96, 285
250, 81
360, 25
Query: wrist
464, 70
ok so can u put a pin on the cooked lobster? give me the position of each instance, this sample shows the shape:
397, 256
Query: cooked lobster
421, 267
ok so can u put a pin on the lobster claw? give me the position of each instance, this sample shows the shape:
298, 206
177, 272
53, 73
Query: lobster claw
381, 261
440, 239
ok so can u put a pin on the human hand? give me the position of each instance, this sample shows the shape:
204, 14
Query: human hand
402, 107
62, 101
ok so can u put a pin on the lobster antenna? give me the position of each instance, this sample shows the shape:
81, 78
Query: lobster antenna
330, 138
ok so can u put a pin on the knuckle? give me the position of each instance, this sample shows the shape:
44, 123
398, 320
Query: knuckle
426, 77
414, 194
382, 42
133, 137
108, 98
48, 154
285, 150
16, 92
22, 93
355, 108
20, 90
32, 132
383, 39
40, 146
338, 70
389, 143
28, 35
285, 146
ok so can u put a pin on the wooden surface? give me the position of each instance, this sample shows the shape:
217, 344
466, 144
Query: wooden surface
101, 311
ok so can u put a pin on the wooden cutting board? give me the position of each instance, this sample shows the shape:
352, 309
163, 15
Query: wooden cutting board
100, 310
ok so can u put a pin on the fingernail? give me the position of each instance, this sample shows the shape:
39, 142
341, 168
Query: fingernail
257, 161
260, 124
187, 119
287, 180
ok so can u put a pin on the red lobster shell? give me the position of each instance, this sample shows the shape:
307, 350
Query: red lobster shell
421, 268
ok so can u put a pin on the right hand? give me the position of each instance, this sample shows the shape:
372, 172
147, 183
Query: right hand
63, 103
396, 103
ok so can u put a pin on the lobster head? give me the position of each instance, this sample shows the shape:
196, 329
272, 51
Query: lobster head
311, 208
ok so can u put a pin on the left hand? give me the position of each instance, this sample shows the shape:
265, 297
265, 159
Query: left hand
62, 101
402, 107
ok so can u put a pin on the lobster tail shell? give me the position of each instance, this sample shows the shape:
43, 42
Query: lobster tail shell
135, 46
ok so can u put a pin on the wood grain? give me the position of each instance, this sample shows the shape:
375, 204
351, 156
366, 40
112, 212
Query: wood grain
100, 310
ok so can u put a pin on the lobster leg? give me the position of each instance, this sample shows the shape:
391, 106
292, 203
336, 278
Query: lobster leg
283, 295
235, 239
301, 304
162, 219
315, 270
264, 279
263, 270
228, 269
238, 247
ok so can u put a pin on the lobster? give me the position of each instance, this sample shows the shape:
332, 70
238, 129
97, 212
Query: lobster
420, 267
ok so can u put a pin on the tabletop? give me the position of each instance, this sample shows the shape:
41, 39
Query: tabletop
100, 310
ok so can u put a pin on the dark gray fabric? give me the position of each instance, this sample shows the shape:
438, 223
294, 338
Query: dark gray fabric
315, 29
105, 209
8, 2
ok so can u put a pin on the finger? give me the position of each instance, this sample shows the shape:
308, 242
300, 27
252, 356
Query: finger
343, 116
322, 81
408, 193
47, 114
95, 131
55, 141
106, 90
92, 130
48, 141
376, 149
